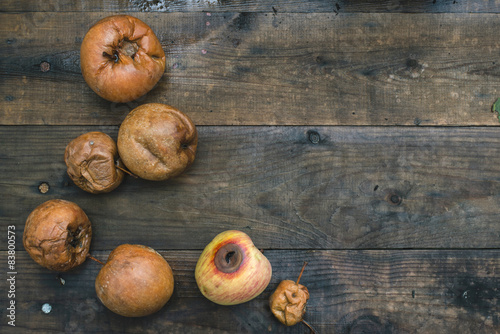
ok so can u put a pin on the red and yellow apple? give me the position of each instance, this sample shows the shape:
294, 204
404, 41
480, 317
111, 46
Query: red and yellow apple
231, 270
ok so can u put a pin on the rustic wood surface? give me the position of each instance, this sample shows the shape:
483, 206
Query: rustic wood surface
375, 291
354, 135
234, 68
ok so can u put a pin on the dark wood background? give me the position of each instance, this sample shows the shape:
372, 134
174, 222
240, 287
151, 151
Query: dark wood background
355, 135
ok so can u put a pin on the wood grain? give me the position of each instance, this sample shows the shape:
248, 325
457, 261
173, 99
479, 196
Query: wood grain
356, 69
288, 187
266, 6
394, 291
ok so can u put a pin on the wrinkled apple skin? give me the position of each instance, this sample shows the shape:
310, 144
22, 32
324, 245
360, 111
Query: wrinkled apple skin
57, 235
238, 287
121, 58
157, 141
288, 302
92, 160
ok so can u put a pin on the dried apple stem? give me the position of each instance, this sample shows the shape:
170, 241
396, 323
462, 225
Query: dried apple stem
308, 326
126, 171
301, 272
96, 260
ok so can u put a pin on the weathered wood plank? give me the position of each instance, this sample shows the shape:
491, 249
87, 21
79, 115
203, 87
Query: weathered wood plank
288, 187
259, 69
394, 291
266, 6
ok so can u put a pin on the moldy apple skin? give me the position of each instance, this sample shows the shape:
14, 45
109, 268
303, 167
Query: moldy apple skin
136, 281
57, 235
157, 141
121, 58
242, 285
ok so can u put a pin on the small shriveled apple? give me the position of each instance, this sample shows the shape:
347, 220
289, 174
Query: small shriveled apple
289, 300
121, 58
231, 270
157, 141
136, 281
93, 163
57, 235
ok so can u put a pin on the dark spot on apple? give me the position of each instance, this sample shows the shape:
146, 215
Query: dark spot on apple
74, 237
114, 57
229, 256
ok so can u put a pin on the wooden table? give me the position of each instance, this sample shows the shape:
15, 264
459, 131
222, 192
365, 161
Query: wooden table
354, 135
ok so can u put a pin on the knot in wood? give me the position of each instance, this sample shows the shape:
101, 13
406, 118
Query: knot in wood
313, 137
394, 199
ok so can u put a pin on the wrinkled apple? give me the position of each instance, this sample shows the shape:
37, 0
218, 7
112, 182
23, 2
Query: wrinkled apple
121, 58
289, 300
231, 270
57, 235
92, 162
157, 141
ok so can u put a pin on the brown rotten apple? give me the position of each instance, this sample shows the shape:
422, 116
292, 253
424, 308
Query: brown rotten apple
57, 235
135, 281
289, 300
121, 58
93, 164
157, 142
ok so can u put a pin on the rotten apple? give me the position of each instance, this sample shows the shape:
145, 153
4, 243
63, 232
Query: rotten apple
157, 141
231, 270
57, 235
121, 58
288, 302
136, 281
93, 163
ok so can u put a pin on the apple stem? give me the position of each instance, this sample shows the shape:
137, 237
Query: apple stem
96, 260
126, 171
308, 326
301, 272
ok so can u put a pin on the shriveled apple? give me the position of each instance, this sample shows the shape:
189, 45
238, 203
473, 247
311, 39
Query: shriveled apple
92, 162
289, 300
136, 281
231, 270
121, 58
57, 235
